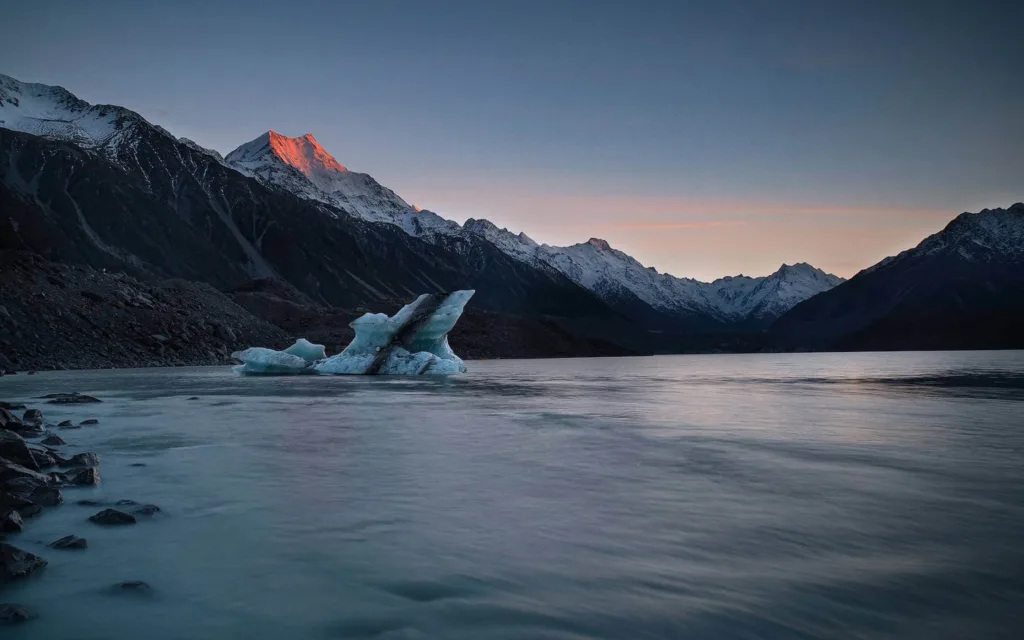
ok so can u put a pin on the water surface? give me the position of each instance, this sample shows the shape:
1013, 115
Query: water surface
747, 496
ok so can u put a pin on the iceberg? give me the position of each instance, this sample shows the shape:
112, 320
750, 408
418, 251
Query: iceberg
414, 341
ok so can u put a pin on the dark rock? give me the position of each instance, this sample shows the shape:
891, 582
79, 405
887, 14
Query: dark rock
90, 421
29, 511
70, 542
44, 458
86, 459
71, 398
112, 517
10, 521
125, 503
92, 295
85, 477
10, 470
12, 406
194, 398
23, 486
14, 448
34, 416
47, 496
72, 426
31, 373
52, 441
9, 500
65, 423
133, 586
58, 478
11, 613
90, 503
138, 464
15, 563
8, 419
148, 510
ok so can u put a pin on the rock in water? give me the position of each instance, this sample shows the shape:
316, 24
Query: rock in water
10, 471
85, 477
8, 420
90, 421
14, 448
65, 423
70, 398
47, 496
148, 510
137, 587
53, 441
10, 521
34, 416
70, 542
86, 459
13, 614
112, 517
15, 563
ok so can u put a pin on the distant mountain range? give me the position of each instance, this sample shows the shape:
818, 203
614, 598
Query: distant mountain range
99, 185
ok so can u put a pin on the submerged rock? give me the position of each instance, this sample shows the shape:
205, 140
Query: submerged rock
90, 503
70, 542
137, 587
148, 510
11, 613
70, 398
112, 517
90, 421
15, 563
65, 423
137, 464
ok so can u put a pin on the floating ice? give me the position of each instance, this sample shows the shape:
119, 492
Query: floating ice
412, 342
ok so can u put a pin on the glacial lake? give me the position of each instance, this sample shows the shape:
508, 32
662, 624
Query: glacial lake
876, 495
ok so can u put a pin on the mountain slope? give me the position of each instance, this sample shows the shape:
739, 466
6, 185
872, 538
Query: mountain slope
960, 288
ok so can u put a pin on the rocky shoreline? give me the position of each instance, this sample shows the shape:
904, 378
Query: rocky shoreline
36, 469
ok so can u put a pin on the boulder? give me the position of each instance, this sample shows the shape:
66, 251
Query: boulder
8, 419
11, 406
21, 486
9, 500
65, 423
10, 521
15, 563
47, 496
86, 459
70, 542
90, 421
52, 441
112, 517
29, 511
14, 448
10, 470
35, 416
58, 478
44, 458
72, 426
85, 477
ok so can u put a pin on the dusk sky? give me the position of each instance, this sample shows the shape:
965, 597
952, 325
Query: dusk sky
703, 138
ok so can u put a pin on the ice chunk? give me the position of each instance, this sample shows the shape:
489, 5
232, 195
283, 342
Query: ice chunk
307, 350
413, 341
261, 361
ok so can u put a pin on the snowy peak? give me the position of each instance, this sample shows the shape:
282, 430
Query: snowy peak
304, 154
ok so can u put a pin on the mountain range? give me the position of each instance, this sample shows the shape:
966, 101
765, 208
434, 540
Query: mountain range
98, 185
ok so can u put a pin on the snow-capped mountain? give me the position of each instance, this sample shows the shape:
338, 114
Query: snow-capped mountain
962, 287
302, 167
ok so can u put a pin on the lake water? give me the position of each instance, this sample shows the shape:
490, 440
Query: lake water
724, 496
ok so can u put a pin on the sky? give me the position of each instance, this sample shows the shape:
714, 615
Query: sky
703, 138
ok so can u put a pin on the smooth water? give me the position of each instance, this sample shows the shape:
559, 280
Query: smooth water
747, 496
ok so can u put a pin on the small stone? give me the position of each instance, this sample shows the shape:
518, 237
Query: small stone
85, 477
90, 503
86, 459
148, 510
52, 441
138, 464
11, 613
11, 522
90, 421
133, 586
15, 563
125, 503
112, 517
70, 542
